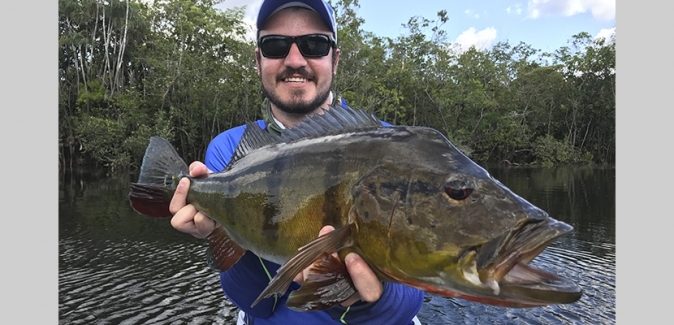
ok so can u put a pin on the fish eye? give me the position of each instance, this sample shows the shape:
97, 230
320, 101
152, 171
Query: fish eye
458, 193
459, 189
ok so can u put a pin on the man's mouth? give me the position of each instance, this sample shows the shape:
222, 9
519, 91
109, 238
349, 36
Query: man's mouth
295, 80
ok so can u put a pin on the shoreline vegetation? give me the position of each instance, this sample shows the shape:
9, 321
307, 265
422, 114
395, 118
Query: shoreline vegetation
183, 70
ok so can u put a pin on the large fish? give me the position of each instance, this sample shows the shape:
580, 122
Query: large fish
414, 207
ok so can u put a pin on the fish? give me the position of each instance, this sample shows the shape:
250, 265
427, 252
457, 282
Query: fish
418, 210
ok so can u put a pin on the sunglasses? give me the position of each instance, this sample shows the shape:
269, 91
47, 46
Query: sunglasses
311, 46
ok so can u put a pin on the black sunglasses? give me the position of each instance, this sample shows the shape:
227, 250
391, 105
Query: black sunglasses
311, 46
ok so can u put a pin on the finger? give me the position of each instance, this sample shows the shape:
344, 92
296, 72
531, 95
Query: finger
299, 278
204, 225
366, 282
198, 169
179, 199
325, 230
183, 220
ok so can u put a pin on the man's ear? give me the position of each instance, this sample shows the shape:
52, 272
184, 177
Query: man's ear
257, 60
335, 61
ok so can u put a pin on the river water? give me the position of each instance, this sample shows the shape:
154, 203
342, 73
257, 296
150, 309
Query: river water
118, 267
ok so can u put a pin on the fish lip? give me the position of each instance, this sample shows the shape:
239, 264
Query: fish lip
505, 261
520, 245
529, 285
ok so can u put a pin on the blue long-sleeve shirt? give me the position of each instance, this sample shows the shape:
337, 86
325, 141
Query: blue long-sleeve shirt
244, 281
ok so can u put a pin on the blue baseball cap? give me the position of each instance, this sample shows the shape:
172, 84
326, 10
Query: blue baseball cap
270, 7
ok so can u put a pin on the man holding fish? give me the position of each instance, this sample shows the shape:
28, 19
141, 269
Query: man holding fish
297, 58
322, 214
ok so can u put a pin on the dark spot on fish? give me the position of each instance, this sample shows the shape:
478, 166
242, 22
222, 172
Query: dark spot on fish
361, 203
409, 220
357, 194
422, 187
367, 214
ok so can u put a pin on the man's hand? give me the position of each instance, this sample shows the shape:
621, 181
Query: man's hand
368, 286
186, 218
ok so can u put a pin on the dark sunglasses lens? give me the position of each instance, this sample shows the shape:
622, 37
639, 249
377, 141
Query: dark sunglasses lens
314, 45
309, 45
275, 46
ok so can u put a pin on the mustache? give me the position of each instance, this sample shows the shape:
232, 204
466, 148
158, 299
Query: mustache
290, 72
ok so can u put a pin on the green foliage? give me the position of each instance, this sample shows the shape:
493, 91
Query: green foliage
183, 70
550, 151
100, 138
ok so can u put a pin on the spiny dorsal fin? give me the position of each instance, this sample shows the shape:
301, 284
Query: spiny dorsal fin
333, 121
253, 137
336, 120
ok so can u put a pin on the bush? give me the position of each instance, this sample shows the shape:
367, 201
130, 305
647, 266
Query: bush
549, 151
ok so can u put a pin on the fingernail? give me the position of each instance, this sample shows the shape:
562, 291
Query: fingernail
349, 258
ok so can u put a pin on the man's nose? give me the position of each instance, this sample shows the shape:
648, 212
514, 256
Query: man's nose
295, 59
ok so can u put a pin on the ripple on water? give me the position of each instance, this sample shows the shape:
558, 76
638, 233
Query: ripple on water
154, 285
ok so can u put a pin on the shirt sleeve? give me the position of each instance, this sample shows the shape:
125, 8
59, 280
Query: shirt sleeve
245, 280
398, 302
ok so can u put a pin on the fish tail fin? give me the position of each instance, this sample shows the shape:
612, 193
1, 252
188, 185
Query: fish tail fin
160, 173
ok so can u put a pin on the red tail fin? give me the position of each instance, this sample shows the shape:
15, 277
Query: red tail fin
149, 200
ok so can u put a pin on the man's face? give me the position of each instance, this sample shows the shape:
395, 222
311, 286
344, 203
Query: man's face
296, 84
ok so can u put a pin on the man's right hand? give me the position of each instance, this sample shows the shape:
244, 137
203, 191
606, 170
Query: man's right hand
186, 218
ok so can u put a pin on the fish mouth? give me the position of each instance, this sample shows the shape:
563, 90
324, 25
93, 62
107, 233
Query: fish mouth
501, 266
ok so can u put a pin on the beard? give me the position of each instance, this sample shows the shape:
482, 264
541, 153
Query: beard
297, 105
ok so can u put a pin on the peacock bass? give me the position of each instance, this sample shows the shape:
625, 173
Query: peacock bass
412, 205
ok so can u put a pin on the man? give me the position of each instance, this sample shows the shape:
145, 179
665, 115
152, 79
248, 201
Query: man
296, 60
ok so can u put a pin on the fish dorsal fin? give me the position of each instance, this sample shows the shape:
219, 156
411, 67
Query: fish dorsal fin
253, 137
335, 120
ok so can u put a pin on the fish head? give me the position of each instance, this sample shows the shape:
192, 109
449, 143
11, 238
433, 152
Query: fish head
443, 224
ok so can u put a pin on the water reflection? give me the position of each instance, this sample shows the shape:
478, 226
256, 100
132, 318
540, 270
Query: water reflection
117, 267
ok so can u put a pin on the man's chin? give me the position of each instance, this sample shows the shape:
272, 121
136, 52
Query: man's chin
298, 105
298, 101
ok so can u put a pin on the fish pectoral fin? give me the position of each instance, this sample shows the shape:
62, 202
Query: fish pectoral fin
222, 251
327, 285
305, 256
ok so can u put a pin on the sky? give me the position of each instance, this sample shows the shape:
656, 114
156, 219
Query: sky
545, 25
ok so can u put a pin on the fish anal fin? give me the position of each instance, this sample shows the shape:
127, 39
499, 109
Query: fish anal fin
222, 251
327, 285
305, 256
